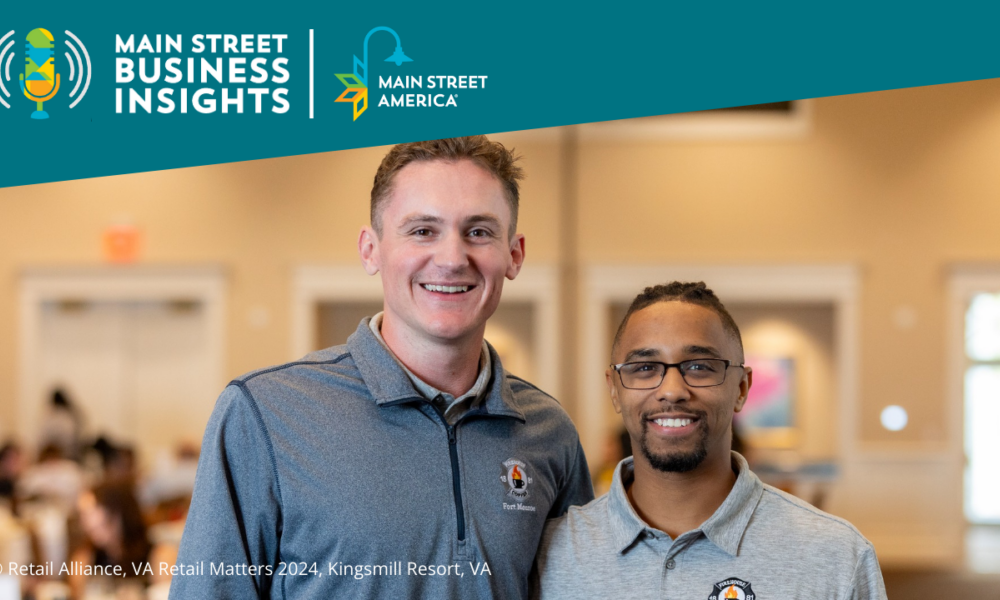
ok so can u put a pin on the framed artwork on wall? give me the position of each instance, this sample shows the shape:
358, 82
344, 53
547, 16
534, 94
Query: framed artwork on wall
768, 417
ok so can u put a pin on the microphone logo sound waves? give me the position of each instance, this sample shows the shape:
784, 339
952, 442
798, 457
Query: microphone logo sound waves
40, 82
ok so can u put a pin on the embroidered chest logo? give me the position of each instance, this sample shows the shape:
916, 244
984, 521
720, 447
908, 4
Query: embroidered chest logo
732, 588
516, 478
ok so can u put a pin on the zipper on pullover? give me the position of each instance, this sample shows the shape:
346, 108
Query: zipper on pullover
456, 482
456, 479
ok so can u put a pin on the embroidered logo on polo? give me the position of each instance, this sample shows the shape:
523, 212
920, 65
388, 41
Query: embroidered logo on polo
516, 478
732, 588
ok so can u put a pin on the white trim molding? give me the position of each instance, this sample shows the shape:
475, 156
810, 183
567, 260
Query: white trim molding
964, 282
315, 284
537, 284
205, 285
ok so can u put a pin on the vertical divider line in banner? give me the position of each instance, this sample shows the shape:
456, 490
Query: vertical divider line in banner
311, 87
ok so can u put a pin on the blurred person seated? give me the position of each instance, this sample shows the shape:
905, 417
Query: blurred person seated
62, 425
46, 496
11, 467
120, 466
113, 534
15, 547
110, 461
53, 478
171, 481
166, 497
15, 538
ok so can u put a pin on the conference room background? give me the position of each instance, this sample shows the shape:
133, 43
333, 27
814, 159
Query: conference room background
851, 234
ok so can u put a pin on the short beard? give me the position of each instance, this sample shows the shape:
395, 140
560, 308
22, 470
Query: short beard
676, 462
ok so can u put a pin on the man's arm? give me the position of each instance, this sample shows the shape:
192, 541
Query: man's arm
577, 490
235, 515
867, 583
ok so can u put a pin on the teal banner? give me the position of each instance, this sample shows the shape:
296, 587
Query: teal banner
96, 89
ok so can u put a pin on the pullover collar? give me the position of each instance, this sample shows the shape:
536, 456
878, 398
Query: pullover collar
389, 381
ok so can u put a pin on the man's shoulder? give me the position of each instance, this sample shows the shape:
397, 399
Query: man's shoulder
580, 527
534, 402
524, 388
320, 373
334, 360
791, 516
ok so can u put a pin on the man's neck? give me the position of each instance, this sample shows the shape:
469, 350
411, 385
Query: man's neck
676, 503
451, 367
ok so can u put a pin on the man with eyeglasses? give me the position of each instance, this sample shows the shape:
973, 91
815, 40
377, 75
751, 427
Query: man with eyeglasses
686, 518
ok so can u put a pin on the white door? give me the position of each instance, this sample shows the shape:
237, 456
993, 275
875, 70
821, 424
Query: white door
141, 372
139, 349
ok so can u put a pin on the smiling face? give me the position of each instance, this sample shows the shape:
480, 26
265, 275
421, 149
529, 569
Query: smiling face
678, 427
443, 253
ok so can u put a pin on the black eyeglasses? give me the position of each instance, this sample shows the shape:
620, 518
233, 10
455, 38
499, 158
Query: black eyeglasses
648, 375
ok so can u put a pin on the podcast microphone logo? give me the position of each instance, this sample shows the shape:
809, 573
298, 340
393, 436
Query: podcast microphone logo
40, 82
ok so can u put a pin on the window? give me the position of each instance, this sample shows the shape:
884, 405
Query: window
982, 408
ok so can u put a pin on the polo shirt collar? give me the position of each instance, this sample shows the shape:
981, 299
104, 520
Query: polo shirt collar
725, 528
626, 525
388, 382
476, 392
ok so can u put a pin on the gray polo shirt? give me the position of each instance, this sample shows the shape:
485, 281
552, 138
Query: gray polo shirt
761, 543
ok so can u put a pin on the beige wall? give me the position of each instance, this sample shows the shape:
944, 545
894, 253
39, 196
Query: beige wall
257, 219
900, 183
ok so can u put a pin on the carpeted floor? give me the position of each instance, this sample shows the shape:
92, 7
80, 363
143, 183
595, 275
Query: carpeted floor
900, 585
980, 578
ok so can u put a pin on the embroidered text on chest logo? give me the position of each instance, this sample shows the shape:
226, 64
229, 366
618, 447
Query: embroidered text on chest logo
516, 478
732, 589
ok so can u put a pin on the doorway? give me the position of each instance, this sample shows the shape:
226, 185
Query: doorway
138, 351
982, 408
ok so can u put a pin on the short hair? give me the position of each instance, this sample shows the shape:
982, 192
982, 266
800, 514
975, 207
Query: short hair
490, 155
690, 292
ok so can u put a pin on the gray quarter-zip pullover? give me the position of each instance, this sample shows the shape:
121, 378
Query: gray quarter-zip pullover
333, 477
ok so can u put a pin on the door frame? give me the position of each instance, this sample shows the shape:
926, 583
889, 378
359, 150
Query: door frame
964, 282
206, 285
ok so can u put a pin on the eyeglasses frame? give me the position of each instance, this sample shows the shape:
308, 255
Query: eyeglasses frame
667, 366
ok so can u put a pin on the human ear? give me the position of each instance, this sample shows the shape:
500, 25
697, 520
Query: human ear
745, 382
516, 256
609, 378
368, 250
